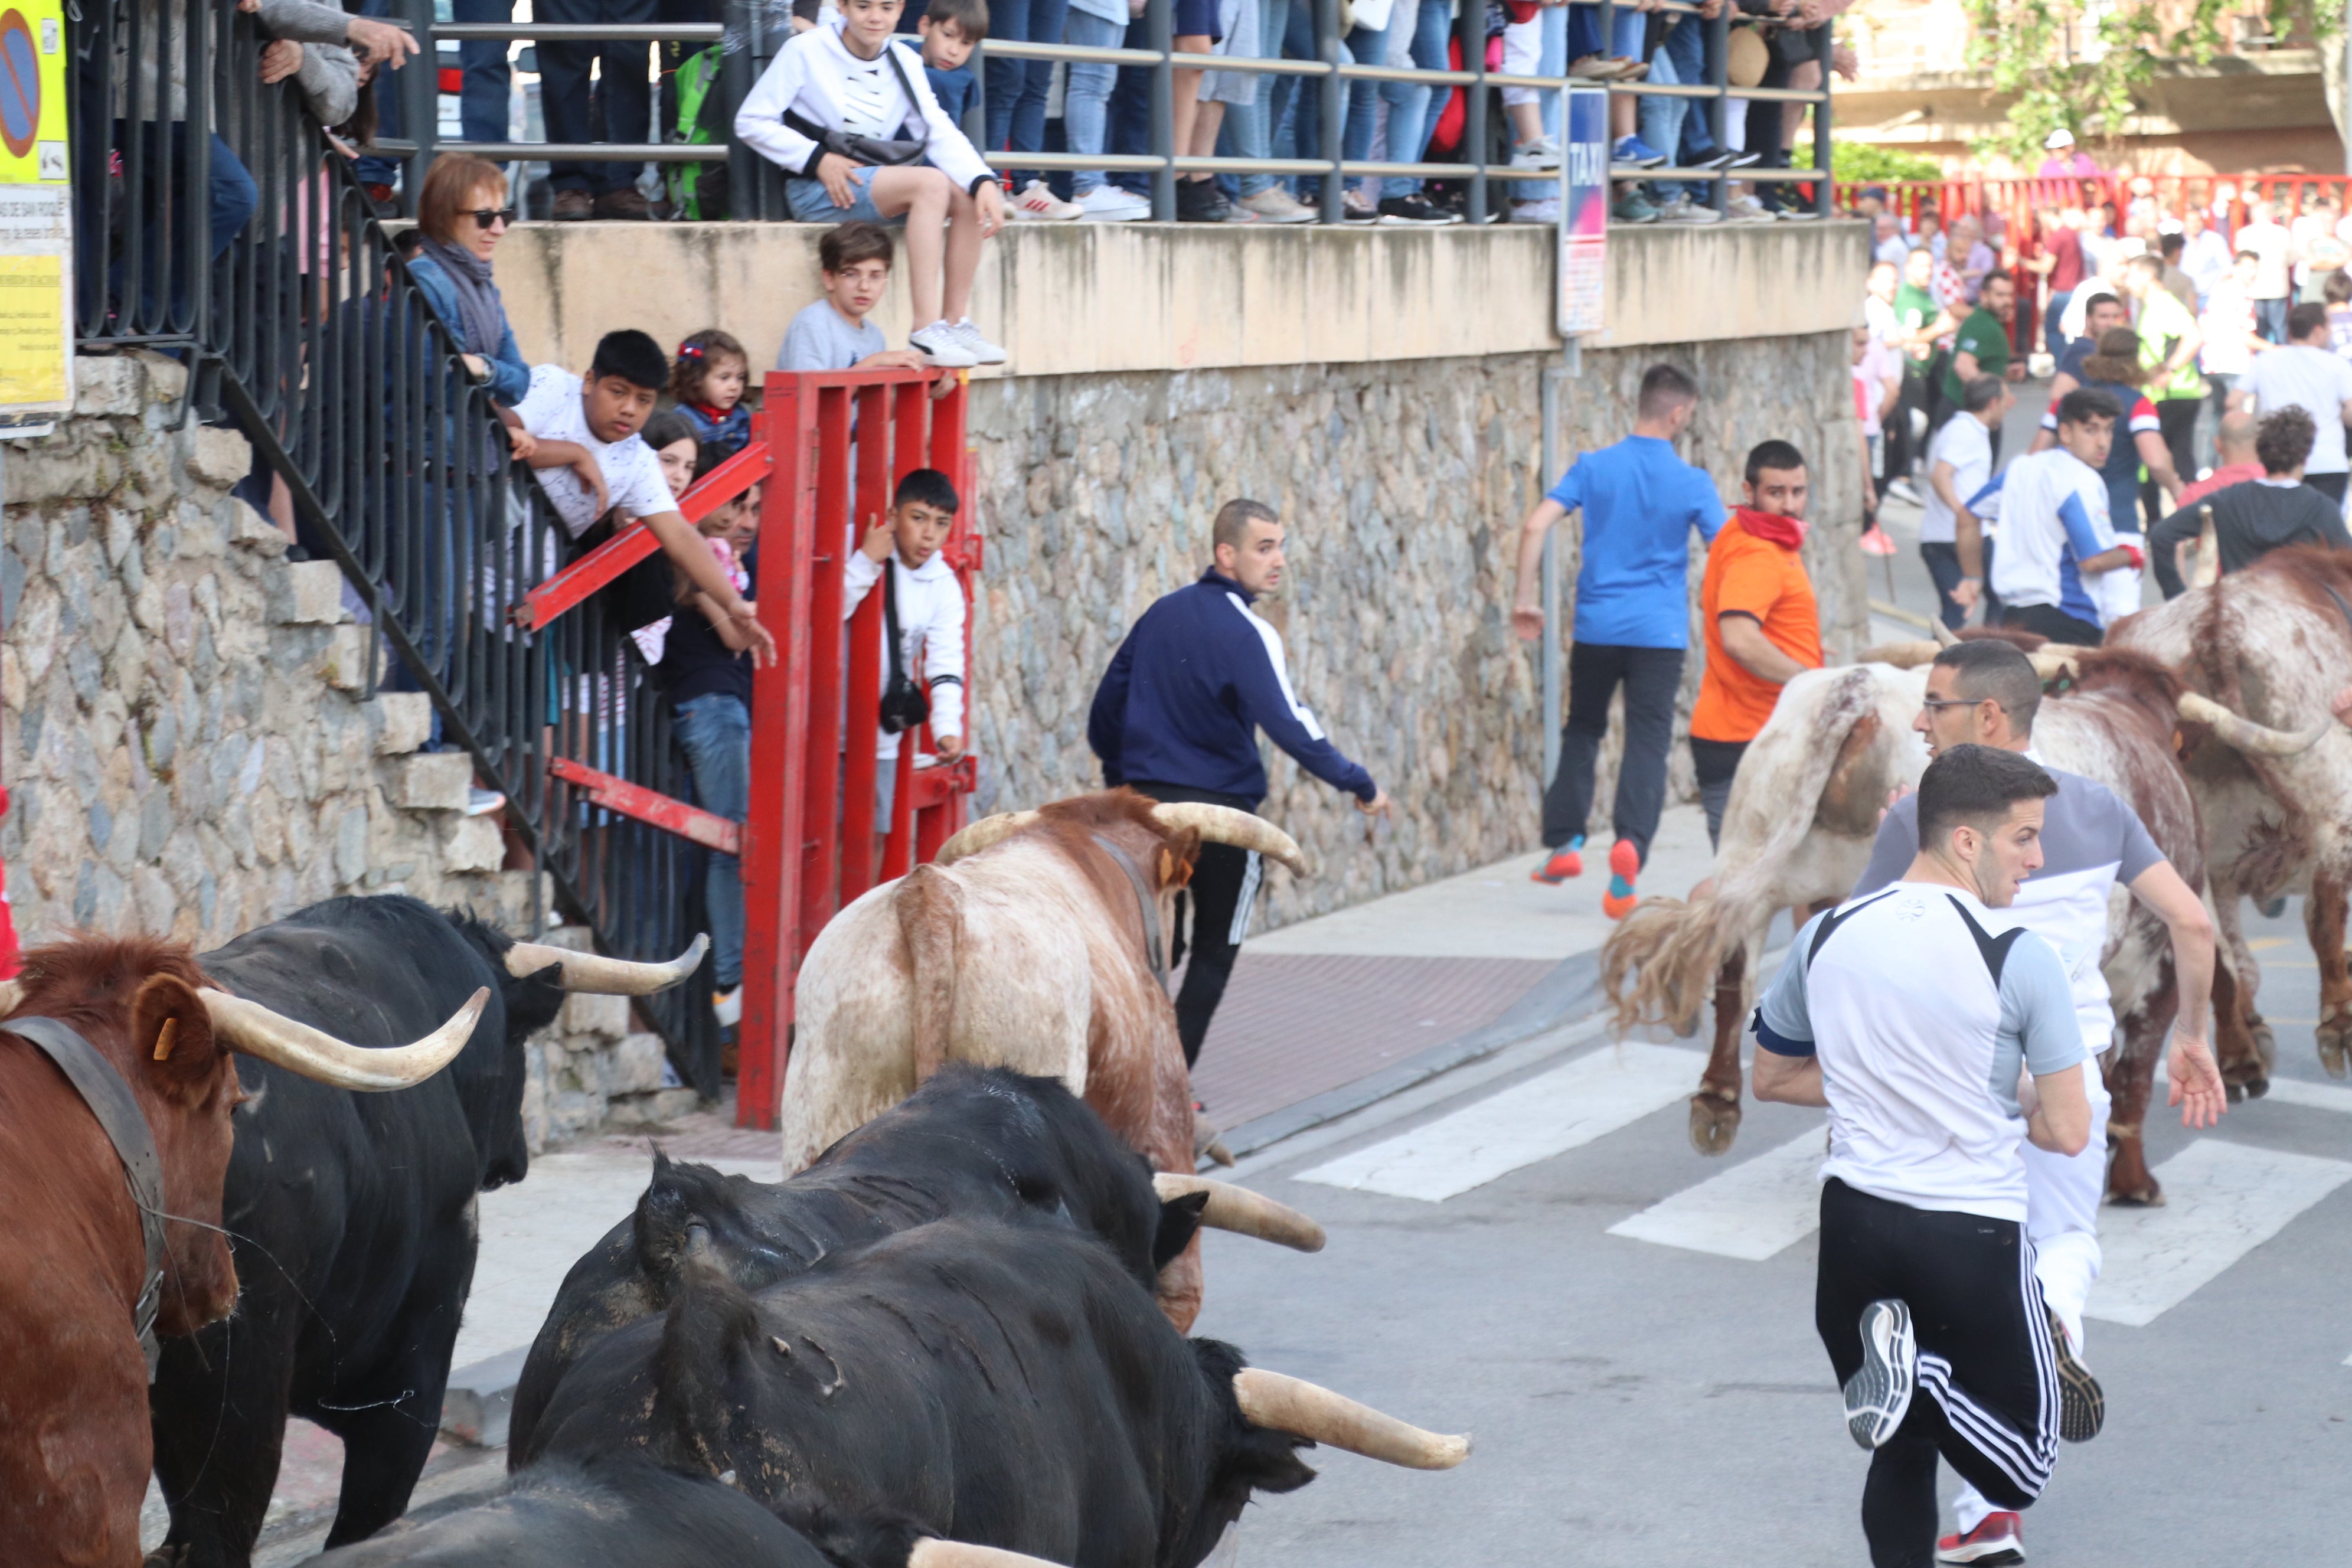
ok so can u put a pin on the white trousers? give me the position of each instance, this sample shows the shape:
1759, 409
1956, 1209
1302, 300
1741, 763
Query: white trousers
2062, 1219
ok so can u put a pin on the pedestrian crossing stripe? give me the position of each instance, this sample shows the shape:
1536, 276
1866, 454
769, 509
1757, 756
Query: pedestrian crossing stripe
2224, 1200
1530, 1120
1751, 1212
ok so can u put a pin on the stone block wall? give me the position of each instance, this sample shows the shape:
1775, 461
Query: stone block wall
188, 750
1403, 485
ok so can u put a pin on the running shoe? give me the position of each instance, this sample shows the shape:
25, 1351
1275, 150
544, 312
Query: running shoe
2081, 1403
1037, 203
983, 351
1414, 210
1998, 1540
729, 1006
1109, 204
1624, 865
1900, 489
1879, 1396
943, 346
1632, 150
1630, 209
1543, 153
1563, 863
1544, 211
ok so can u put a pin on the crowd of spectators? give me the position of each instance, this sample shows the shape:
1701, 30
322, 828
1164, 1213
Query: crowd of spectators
1037, 106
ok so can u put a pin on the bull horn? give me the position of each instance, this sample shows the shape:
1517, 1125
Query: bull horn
12, 997
1288, 1405
2051, 664
932, 1551
1243, 1211
1944, 637
1901, 655
251, 1027
988, 832
602, 977
2245, 734
1223, 825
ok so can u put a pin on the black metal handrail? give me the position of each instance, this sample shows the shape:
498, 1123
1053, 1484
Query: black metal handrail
309, 337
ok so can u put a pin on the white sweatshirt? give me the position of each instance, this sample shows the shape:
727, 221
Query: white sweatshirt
931, 629
810, 74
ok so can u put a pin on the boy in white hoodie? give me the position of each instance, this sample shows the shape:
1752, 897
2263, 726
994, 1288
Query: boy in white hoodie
905, 547
839, 83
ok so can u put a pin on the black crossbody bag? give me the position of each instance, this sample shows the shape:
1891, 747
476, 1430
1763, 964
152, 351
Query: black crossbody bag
875, 152
903, 706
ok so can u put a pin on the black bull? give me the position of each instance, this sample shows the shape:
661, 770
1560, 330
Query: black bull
1007, 1382
974, 1141
351, 1218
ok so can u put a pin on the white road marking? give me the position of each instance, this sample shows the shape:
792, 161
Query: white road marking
2317, 1095
1750, 1212
1546, 1115
2224, 1200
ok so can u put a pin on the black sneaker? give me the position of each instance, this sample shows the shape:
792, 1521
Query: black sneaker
1879, 1396
1413, 209
2081, 1403
1199, 201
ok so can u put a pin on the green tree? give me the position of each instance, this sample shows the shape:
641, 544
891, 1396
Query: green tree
2079, 63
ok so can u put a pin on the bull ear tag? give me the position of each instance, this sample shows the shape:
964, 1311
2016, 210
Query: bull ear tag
165, 1038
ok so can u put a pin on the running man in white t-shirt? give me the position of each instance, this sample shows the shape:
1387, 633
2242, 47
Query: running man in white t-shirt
1910, 1014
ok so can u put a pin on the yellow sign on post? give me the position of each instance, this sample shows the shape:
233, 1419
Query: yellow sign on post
36, 213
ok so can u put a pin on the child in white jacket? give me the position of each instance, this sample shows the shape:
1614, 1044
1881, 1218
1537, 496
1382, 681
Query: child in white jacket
840, 84
904, 548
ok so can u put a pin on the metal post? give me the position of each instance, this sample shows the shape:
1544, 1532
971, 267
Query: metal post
1471, 29
1824, 188
419, 85
1332, 103
1549, 437
737, 75
1718, 107
1162, 16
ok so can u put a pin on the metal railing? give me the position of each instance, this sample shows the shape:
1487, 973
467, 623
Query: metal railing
307, 336
749, 43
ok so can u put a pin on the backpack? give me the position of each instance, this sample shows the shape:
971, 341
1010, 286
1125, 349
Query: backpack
698, 192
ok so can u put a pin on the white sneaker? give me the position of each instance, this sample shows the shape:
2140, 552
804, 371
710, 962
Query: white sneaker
1746, 209
1275, 204
729, 1006
980, 348
1036, 201
1682, 209
943, 346
1544, 211
1109, 204
1541, 153
1878, 1396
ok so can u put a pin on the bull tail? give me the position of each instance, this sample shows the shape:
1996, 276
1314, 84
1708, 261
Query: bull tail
1661, 963
930, 906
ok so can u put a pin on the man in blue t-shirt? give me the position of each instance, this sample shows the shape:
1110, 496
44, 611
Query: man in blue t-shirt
1631, 623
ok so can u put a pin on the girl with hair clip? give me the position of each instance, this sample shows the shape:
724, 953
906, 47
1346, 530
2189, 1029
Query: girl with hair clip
708, 380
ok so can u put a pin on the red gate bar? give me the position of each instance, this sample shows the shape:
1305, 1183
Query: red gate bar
647, 805
578, 582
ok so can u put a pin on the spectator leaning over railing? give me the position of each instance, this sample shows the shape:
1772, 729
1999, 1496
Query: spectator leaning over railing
462, 213
833, 110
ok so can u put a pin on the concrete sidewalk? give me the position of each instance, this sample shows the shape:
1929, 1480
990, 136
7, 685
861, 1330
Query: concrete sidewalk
1322, 1018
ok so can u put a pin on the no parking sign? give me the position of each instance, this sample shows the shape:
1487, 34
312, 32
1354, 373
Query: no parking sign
36, 213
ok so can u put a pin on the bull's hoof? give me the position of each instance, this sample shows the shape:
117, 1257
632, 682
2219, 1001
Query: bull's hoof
2334, 1038
2266, 1042
1714, 1122
2145, 1194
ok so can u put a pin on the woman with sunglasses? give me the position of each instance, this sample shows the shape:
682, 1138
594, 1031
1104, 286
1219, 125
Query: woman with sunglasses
463, 214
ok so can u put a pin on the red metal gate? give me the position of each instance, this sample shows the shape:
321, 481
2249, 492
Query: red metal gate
829, 447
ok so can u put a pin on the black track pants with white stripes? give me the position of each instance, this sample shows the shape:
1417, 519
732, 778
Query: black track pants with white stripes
1987, 1392
1211, 916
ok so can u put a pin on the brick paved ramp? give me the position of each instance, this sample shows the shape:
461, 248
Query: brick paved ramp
1294, 1026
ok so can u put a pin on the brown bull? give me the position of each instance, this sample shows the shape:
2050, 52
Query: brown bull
1031, 944
75, 1440
2270, 643
1798, 832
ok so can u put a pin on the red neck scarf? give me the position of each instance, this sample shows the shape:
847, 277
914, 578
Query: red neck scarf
1786, 532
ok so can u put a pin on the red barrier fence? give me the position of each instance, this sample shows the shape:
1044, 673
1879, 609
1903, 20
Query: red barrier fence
829, 449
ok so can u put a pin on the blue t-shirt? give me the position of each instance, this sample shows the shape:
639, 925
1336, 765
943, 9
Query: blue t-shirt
1639, 502
955, 89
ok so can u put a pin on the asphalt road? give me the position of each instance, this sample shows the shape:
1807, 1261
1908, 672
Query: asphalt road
1636, 1401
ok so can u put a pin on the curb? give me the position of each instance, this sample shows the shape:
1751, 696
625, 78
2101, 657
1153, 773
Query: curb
1561, 996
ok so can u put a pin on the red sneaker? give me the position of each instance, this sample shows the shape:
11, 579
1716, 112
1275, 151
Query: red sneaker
2000, 1539
1624, 865
1564, 863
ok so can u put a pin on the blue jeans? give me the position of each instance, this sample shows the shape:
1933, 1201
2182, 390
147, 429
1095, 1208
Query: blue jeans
387, 87
1085, 104
1661, 119
1553, 61
1016, 89
484, 94
1584, 32
1251, 125
1409, 119
230, 198
715, 731
1298, 123
624, 87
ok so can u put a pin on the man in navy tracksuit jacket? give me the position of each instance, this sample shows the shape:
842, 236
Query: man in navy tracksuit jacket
1176, 717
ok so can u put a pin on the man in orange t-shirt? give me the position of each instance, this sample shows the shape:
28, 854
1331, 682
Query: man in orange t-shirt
1761, 627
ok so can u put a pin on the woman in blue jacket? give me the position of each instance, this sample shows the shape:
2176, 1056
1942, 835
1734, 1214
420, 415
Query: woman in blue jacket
463, 213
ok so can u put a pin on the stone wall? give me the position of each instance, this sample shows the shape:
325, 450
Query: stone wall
1402, 486
189, 751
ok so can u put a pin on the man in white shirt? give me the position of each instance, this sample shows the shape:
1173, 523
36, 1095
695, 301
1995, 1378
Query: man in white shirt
1985, 692
2056, 536
2274, 285
1910, 1015
852, 78
588, 459
1959, 464
2308, 372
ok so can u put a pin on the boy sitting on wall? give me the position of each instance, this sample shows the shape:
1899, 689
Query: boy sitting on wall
833, 333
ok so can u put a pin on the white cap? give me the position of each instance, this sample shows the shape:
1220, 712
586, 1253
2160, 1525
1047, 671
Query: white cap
2061, 137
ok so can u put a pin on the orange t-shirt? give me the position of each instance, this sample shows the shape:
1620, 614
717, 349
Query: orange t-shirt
1757, 577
